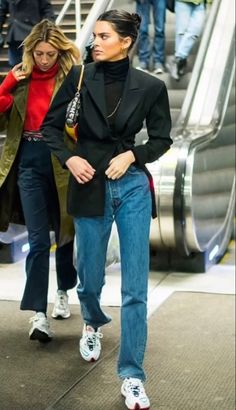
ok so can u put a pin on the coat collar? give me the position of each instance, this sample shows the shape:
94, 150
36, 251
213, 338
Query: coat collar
94, 82
20, 99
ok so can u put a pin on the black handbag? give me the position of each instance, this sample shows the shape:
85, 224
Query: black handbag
170, 5
72, 112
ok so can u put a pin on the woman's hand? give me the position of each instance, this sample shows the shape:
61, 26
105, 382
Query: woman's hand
119, 165
80, 169
18, 73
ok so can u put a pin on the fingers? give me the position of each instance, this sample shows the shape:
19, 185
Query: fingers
17, 67
84, 176
81, 169
114, 173
119, 165
18, 73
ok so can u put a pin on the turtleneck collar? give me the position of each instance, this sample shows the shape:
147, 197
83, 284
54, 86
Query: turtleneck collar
38, 74
115, 70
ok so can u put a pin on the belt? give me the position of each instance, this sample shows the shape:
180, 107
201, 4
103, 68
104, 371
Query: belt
34, 136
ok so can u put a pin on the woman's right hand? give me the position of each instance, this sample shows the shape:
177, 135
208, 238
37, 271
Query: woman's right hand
18, 73
80, 169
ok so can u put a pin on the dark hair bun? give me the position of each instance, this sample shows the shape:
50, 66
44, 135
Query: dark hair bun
136, 19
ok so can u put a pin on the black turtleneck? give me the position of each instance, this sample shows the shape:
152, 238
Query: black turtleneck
115, 73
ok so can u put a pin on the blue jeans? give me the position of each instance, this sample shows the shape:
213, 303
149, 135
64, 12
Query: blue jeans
190, 20
159, 16
128, 203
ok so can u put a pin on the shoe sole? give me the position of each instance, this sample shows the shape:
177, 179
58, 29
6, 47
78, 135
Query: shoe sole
60, 317
158, 72
137, 406
40, 336
89, 360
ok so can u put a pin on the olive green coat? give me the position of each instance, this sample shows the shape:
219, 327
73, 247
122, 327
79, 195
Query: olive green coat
10, 208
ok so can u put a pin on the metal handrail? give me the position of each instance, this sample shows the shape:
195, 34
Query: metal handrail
77, 15
83, 34
63, 12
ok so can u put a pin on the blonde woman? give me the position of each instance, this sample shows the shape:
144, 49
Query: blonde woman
33, 186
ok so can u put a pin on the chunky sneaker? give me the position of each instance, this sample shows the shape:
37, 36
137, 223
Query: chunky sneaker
40, 329
90, 345
61, 308
134, 393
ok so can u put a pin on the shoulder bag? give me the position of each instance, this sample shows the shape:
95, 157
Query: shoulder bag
72, 112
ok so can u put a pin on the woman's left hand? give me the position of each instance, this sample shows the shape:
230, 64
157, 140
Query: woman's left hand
119, 165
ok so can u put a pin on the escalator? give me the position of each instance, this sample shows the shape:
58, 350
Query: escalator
195, 180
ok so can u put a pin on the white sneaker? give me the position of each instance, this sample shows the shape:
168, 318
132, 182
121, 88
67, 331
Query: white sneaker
135, 397
40, 329
158, 68
90, 345
61, 308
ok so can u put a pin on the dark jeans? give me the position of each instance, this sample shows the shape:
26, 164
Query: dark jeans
15, 52
41, 210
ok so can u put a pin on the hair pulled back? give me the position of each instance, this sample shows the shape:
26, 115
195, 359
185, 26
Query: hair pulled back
124, 23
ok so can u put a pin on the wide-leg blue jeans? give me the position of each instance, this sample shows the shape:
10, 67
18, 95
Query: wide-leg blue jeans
128, 203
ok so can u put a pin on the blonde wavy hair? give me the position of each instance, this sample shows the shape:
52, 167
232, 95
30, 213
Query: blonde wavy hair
49, 32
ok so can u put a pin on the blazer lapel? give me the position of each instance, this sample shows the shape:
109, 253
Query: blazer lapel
95, 86
131, 96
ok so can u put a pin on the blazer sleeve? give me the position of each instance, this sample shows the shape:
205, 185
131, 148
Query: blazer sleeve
53, 125
158, 122
46, 10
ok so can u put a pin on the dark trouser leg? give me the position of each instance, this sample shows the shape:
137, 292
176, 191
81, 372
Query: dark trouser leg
35, 191
14, 53
66, 272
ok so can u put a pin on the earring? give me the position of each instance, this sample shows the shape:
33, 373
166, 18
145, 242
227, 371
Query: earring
123, 51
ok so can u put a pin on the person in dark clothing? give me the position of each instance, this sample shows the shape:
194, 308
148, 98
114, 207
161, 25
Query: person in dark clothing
109, 182
23, 15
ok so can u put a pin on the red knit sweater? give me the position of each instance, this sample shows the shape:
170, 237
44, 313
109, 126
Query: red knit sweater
41, 88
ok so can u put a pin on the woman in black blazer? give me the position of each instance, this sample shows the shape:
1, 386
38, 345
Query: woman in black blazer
109, 182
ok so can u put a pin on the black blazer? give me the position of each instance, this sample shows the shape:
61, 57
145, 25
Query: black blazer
23, 15
144, 98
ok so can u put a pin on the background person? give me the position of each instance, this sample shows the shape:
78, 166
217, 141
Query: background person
156, 48
23, 15
27, 166
189, 23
